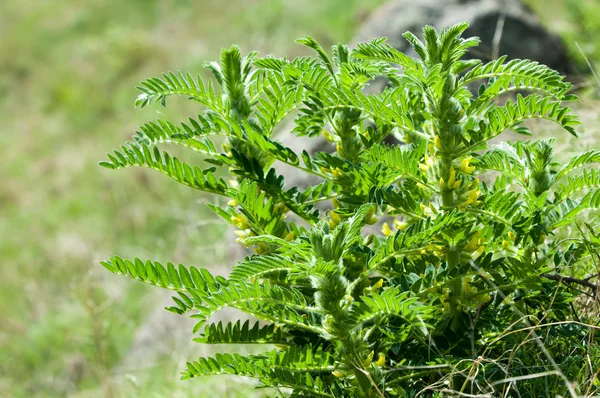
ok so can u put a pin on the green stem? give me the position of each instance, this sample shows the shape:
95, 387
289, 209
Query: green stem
453, 254
447, 199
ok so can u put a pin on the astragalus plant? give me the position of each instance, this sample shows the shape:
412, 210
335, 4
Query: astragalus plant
474, 284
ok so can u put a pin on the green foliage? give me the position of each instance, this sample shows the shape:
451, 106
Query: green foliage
482, 255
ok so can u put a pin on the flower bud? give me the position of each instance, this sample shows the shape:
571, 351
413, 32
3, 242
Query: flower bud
328, 136
335, 217
465, 167
451, 178
473, 195
338, 374
432, 207
240, 221
428, 161
371, 221
401, 225
385, 229
478, 252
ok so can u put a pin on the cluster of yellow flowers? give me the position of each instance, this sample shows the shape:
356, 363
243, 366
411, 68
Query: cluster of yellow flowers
245, 231
475, 245
336, 172
337, 218
400, 226
466, 194
469, 299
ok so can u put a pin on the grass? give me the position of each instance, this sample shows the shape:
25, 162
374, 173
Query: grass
67, 81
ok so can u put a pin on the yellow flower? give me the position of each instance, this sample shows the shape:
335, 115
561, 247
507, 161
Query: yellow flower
381, 361
232, 202
328, 136
336, 172
465, 167
423, 167
505, 245
437, 142
456, 184
335, 203
335, 217
442, 183
243, 234
478, 252
428, 161
401, 225
290, 236
511, 235
473, 195
385, 229
369, 358
473, 243
240, 221
378, 284
338, 374
452, 177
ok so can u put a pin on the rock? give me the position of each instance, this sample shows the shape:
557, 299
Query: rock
520, 34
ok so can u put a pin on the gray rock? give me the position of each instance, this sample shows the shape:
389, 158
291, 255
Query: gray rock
518, 32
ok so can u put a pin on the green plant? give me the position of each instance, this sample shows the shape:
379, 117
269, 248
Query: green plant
482, 258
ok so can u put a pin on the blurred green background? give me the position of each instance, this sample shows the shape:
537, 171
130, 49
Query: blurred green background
68, 69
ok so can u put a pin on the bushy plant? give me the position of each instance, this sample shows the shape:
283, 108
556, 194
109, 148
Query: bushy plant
471, 286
